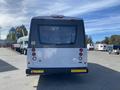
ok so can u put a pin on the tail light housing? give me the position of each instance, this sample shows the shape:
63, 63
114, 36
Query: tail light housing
33, 49
34, 54
81, 49
80, 53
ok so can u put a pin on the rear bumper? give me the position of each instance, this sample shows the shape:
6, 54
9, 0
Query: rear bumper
31, 71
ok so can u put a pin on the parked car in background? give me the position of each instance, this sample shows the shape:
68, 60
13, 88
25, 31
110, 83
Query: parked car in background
101, 47
113, 49
16, 47
23, 42
109, 49
90, 46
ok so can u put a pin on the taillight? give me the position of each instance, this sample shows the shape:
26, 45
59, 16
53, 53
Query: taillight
33, 54
33, 49
81, 50
80, 53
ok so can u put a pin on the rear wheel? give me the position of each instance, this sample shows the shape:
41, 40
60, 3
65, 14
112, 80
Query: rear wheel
28, 71
117, 53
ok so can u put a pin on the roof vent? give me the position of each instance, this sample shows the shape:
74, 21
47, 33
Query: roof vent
57, 16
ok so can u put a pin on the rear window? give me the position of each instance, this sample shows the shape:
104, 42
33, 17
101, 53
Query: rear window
57, 34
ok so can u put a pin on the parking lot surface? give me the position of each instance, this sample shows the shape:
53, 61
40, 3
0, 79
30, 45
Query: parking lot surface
104, 74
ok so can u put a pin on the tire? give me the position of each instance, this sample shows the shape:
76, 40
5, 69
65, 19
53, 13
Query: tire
21, 51
117, 53
28, 71
25, 52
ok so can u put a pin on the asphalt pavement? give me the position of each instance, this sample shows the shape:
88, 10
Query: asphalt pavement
104, 74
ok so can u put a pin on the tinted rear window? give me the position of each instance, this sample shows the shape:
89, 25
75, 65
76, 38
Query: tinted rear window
57, 34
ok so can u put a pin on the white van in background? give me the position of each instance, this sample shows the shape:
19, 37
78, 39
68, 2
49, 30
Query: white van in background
101, 47
90, 46
23, 42
16, 47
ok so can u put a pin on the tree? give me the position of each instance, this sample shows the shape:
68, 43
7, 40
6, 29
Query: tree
12, 34
115, 39
21, 31
106, 40
15, 33
89, 39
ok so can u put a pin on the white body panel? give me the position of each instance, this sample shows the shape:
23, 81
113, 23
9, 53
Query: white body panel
16, 45
101, 47
22, 46
90, 46
23, 40
57, 57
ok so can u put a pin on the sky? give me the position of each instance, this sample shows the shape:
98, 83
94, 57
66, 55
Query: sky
101, 17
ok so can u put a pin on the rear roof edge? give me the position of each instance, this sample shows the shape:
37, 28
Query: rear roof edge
57, 17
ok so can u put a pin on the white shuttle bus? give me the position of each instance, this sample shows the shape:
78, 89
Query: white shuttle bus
56, 45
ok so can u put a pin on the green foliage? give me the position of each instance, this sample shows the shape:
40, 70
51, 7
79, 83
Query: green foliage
114, 39
89, 39
21, 31
11, 35
15, 33
106, 40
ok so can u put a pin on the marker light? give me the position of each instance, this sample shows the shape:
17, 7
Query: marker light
81, 50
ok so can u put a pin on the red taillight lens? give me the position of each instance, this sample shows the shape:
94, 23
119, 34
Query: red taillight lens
33, 49
33, 54
80, 54
81, 50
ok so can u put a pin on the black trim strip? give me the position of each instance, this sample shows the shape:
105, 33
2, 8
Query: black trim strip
55, 70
